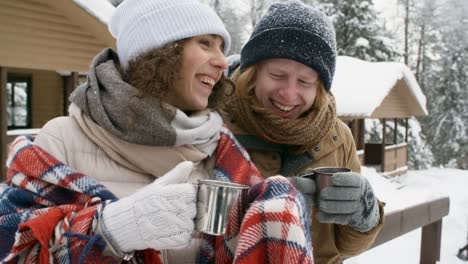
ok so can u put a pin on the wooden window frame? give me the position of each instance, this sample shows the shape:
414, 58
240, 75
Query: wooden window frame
15, 78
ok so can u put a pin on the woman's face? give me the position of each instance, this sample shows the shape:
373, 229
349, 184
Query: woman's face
285, 86
202, 66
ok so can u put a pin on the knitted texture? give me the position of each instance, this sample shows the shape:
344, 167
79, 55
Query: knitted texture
159, 216
118, 107
142, 25
71, 203
47, 205
302, 134
306, 186
349, 201
275, 228
295, 31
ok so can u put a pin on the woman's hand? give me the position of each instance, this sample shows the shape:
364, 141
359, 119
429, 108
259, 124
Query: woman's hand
158, 216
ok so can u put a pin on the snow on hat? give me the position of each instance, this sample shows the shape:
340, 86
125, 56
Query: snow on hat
142, 25
293, 30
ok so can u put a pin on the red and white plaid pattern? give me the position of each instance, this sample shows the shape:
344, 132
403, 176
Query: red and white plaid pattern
49, 213
275, 228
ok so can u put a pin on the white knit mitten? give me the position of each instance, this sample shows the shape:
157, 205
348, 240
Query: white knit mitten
158, 216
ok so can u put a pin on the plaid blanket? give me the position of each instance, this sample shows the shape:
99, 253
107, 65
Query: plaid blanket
49, 213
275, 228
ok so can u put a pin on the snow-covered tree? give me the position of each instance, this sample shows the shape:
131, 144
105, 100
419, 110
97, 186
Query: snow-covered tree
357, 32
236, 21
447, 124
421, 156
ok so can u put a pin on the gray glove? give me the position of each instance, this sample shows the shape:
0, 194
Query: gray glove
349, 201
306, 186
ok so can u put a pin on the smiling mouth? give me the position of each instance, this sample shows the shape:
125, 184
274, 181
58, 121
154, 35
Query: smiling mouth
283, 108
207, 81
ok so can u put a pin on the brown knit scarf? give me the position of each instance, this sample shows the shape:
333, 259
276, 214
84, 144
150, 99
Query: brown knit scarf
301, 134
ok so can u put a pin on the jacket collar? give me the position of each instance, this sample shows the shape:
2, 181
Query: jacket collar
328, 144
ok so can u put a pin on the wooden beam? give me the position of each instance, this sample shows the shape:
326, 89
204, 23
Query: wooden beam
355, 131
70, 84
406, 130
430, 243
384, 139
426, 215
362, 131
3, 122
395, 131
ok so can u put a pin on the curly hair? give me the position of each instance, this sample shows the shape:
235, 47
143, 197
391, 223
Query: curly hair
154, 72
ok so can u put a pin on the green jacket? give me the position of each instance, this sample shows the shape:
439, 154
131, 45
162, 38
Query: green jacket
330, 242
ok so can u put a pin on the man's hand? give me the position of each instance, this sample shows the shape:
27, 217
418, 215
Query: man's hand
349, 201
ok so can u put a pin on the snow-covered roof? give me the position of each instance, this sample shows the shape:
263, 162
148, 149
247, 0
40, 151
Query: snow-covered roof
101, 9
360, 87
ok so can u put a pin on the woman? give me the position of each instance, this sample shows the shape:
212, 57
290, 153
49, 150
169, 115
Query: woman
284, 114
143, 111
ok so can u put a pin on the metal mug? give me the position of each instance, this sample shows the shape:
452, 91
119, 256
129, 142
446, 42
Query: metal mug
217, 201
322, 177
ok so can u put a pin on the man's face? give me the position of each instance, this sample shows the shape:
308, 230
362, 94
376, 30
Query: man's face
287, 87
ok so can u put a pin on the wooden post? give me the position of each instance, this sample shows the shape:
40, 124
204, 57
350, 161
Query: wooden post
355, 131
3, 122
384, 137
357, 128
406, 130
395, 132
70, 84
430, 243
362, 130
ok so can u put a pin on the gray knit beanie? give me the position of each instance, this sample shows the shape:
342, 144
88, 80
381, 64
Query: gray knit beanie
293, 30
142, 25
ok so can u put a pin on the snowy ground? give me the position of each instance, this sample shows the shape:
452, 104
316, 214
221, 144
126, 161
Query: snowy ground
419, 186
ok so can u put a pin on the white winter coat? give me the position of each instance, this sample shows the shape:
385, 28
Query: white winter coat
120, 166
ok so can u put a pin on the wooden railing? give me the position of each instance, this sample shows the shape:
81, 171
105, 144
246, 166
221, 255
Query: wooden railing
391, 161
396, 157
428, 216
12, 134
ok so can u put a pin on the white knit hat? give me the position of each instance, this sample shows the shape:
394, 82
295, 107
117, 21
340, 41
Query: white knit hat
142, 25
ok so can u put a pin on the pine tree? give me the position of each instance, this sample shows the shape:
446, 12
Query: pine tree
447, 125
421, 156
235, 18
357, 32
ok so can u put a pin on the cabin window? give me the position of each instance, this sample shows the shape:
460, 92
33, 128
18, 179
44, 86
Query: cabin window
19, 102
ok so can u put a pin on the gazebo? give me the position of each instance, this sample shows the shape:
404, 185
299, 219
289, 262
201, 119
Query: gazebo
378, 90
